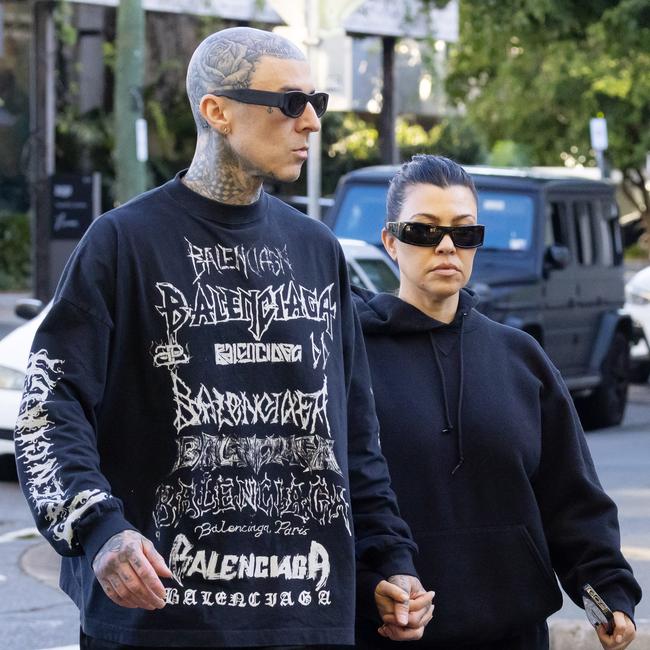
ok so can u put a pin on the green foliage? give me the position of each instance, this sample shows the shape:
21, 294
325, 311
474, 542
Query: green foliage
350, 142
14, 251
636, 252
506, 153
66, 32
535, 71
453, 137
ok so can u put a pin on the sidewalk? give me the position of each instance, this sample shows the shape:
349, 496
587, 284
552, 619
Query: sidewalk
41, 562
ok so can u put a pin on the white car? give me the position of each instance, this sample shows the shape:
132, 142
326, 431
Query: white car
14, 350
367, 267
637, 304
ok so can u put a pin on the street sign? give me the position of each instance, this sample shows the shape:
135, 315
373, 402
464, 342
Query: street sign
75, 203
598, 132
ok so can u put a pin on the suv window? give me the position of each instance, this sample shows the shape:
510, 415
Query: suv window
508, 216
605, 239
508, 219
583, 219
610, 220
364, 207
556, 225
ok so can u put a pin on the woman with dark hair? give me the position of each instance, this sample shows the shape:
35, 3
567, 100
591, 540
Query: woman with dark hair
485, 450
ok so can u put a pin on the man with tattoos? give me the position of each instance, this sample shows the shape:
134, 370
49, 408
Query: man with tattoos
197, 434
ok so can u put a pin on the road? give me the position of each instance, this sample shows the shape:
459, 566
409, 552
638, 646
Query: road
35, 615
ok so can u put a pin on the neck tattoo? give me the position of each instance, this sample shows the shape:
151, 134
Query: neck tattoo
216, 174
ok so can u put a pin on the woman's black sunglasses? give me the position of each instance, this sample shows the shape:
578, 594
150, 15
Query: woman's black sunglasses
426, 234
292, 103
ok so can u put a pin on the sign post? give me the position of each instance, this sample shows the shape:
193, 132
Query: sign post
75, 201
599, 142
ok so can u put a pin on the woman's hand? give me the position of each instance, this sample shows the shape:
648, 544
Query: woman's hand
622, 635
404, 606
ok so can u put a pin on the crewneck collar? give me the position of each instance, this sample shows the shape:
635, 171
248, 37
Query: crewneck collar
224, 214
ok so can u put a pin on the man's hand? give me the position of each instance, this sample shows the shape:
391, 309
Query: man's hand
404, 606
622, 635
127, 568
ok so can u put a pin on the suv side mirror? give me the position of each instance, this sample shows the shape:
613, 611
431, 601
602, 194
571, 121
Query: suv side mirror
557, 257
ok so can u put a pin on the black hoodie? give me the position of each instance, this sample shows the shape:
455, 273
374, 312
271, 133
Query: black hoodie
492, 472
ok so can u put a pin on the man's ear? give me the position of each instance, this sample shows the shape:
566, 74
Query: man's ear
388, 241
213, 111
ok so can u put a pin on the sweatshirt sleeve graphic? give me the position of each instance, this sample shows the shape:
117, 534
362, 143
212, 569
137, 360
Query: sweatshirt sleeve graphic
56, 509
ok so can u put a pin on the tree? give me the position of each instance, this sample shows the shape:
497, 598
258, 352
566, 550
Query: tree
535, 71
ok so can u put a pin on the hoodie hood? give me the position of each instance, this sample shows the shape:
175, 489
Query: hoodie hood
386, 314
383, 313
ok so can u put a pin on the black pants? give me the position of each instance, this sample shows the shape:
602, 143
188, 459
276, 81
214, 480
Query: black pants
89, 643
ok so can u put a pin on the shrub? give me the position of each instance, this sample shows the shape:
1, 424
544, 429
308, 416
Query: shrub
15, 246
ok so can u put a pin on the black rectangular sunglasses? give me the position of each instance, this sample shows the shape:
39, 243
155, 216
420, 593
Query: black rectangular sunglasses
292, 102
426, 234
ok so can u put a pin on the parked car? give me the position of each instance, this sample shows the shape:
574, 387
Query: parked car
637, 304
551, 265
14, 350
367, 268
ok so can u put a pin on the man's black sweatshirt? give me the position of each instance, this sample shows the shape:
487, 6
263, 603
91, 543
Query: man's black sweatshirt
201, 378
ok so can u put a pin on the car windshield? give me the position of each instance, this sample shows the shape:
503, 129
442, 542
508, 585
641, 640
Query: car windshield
508, 216
362, 213
380, 274
508, 219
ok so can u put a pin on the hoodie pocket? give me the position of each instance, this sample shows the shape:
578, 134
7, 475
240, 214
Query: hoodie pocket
489, 583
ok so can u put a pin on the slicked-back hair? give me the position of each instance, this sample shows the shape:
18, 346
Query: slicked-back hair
424, 169
227, 59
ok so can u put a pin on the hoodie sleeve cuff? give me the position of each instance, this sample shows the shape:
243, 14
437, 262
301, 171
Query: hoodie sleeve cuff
398, 562
94, 531
618, 600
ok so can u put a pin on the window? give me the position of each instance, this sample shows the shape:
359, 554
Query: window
605, 238
610, 214
508, 219
380, 274
362, 213
354, 276
585, 233
556, 225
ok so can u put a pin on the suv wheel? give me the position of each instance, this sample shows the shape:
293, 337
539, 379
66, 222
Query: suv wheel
605, 407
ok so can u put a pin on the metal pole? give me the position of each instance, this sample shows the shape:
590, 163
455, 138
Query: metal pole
602, 163
42, 115
314, 160
388, 116
130, 132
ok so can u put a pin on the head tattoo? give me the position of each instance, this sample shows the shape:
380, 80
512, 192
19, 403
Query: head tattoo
227, 59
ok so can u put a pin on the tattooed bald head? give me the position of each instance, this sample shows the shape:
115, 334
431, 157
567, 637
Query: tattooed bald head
227, 59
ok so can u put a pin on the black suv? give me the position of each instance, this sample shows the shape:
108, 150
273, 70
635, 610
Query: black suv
551, 265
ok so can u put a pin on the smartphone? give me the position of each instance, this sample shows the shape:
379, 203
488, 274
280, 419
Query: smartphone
596, 609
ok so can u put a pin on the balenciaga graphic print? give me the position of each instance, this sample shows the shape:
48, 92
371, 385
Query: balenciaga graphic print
254, 458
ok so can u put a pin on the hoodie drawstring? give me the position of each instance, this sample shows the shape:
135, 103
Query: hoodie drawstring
448, 425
